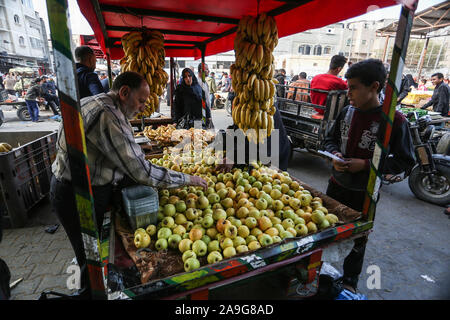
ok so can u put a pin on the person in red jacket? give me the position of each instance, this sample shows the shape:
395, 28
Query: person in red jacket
328, 81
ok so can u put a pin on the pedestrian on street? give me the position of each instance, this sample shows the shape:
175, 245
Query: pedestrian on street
352, 138
281, 78
9, 82
303, 92
49, 94
205, 89
211, 81
440, 98
114, 160
328, 81
88, 82
33, 93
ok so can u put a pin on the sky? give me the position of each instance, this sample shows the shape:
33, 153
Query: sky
79, 24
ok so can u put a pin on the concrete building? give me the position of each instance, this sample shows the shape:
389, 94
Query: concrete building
23, 38
310, 51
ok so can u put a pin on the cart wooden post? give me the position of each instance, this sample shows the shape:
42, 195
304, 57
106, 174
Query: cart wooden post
392, 89
58, 14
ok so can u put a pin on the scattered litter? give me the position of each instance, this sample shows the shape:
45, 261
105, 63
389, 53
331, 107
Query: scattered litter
427, 278
52, 229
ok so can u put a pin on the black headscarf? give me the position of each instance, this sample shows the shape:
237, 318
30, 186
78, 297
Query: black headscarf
194, 88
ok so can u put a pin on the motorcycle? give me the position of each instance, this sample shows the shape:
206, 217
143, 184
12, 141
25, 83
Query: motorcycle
429, 180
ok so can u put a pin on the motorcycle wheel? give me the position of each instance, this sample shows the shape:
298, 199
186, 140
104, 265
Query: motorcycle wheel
228, 107
23, 114
421, 186
443, 146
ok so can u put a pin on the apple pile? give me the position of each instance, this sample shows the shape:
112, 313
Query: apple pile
240, 211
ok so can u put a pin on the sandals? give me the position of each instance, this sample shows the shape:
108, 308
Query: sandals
391, 178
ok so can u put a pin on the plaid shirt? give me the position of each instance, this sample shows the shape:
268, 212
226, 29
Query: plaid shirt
111, 148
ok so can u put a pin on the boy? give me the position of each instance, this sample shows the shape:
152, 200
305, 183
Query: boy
352, 138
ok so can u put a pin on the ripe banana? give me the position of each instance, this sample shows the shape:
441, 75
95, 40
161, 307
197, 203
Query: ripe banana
252, 74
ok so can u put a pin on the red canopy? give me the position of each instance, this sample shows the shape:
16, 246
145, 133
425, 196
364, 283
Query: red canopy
189, 26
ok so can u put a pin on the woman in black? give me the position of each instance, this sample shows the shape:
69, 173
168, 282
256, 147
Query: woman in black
190, 101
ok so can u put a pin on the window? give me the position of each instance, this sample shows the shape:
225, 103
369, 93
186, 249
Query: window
304, 49
16, 19
327, 50
318, 50
363, 42
22, 41
349, 42
35, 43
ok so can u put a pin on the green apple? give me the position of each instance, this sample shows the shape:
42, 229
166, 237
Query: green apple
299, 220
168, 222
164, 233
277, 205
161, 244
238, 241
288, 223
227, 203
214, 257
206, 239
192, 214
210, 191
265, 240
213, 246
276, 239
142, 240
151, 230
213, 198
332, 219
174, 240
184, 245
202, 202
191, 264
180, 206
289, 214
198, 220
169, 210
251, 222
318, 217
275, 194
191, 203
302, 229
160, 216
243, 231
220, 177
200, 248
219, 214
257, 184
222, 193
188, 254
188, 225
325, 224
250, 238
261, 204
286, 234
236, 222
241, 248
207, 222
228, 252
230, 231
211, 232
225, 242
254, 245
180, 219
255, 213
179, 229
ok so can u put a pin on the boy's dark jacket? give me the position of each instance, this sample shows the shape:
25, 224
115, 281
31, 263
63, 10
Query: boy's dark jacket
354, 135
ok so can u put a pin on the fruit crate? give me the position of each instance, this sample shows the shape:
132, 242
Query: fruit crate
141, 204
25, 174
277, 271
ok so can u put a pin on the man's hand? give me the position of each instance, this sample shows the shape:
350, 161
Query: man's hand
197, 181
225, 166
340, 166
355, 165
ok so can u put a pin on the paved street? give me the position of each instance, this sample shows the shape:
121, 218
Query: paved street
408, 243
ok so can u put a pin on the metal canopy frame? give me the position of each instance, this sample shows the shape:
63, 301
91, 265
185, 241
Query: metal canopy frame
110, 42
429, 20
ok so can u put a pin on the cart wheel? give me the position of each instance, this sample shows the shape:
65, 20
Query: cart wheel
443, 146
23, 114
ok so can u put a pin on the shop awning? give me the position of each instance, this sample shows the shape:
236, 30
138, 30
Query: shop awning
428, 20
189, 26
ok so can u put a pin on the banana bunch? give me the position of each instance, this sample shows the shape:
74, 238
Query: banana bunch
252, 76
144, 54
5, 147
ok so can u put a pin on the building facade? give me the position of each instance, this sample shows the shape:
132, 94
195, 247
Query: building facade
23, 37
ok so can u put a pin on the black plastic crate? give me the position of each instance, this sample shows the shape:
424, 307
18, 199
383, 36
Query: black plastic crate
25, 176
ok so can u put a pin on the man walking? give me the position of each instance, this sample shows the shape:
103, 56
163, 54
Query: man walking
440, 98
88, 82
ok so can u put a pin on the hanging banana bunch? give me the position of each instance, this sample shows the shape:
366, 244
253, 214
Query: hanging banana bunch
252, 76
144, 54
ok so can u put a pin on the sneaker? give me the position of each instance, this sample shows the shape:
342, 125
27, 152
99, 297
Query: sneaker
348, 295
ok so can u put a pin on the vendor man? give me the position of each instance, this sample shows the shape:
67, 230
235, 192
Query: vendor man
112, 156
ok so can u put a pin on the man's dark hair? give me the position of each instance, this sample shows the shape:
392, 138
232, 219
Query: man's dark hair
212, 73
282, 71
368, 71
438, 75
82, 52
302, 75
337, 61
130, 79
37, 80
200, 67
